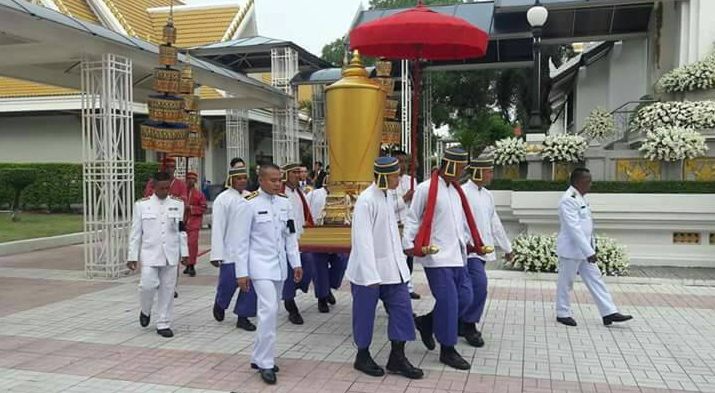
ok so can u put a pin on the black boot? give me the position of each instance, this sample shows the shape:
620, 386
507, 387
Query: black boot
245, 324
424, 326
192, 271
472, 335
293, 314
450, 357
398, 363
460, 328
331, 298
323, 305
219, 313
364, 363
187, 269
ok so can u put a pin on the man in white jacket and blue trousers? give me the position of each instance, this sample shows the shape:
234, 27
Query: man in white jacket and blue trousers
377, 270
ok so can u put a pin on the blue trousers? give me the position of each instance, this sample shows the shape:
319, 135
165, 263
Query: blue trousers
452, 291
227, 285
329, 270
396, 297
478, 276
290, 287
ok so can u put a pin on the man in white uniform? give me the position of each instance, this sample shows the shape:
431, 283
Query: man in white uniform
377, 270
262, 261
576, 248
481, 202
158, 240
403, 196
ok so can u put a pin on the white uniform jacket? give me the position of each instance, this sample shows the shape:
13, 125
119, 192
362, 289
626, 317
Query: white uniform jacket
491, 230
270, 242
450, 231
316, 201
297, 207
376, 256
226, 230
575, 240
155, 239
402, 188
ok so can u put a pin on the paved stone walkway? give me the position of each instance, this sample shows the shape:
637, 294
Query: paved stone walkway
60, 332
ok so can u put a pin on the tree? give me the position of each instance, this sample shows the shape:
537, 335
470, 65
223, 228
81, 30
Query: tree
477, 132
334, 52
18, 179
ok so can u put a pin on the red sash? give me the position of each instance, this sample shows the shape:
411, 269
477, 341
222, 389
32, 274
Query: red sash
306, 209
425, 232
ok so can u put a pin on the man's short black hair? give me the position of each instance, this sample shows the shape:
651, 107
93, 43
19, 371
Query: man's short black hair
162, 176
265, 167
236, 160
319, 163
577, 174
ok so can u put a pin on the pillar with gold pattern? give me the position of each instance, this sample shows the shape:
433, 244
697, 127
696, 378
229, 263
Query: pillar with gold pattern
355, 110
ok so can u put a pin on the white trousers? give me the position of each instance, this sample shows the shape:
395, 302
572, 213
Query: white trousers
269, 294
591, 276
160, 279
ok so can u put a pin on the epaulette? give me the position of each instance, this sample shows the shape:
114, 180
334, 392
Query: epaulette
307, 189
252, 195
280, 194
143, 199
176, 198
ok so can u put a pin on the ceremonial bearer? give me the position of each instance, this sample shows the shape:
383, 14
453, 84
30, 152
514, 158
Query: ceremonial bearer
302, 216
329, 269
225, 236
377, 270
262, 261
438, 232
491, 230
403, 195
577, 252
178, 187
194, 217
158, 241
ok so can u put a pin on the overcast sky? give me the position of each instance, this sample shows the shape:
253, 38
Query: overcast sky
309, 23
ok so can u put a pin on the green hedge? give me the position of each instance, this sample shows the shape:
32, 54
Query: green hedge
60, 185
610, 187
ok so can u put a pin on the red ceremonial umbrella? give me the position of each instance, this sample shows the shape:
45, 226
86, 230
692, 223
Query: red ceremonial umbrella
419, 33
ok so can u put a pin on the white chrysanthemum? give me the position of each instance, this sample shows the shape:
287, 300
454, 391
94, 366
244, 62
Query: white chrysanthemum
564, 148
673, 144
600, 124
509, 151
695, 76
697, 115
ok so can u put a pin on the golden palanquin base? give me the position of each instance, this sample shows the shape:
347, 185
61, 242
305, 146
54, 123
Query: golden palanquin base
326, 239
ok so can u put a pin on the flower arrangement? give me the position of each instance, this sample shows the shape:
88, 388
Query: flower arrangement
564, 148
509, 151
695, 76
600, 124
696, 115
537, 253
673, 144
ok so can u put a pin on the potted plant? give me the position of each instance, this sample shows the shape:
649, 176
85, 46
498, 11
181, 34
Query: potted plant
509, 153
564, 151
673, 145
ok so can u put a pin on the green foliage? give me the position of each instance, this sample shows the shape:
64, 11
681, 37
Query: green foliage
610, 187
334, 52
18, 178
477, 132
60, 185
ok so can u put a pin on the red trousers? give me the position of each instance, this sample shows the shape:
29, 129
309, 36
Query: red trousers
193, 240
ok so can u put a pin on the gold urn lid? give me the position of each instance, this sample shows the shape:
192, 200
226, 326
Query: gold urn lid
354, 76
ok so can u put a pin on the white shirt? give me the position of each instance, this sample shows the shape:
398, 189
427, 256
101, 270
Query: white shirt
297, 205
155, 239
450, 232
316, 201
575, 240
225, 225
491, 230
376, 256
402, 188
270, 244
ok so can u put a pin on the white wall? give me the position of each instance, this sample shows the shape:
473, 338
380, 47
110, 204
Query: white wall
644, 223
41, 139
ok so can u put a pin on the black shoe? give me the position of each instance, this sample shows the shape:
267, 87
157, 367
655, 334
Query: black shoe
176, 294
424, 326
245, 324
364, 363
398, 363
166, 333
219, 313
616, 317
275, 368
214, 263
472, 335
415, 296
568, 321
331, 298
143, 319
192, 271
293, 314
450, 357
268, 376
187, 269
323, 306
295, 318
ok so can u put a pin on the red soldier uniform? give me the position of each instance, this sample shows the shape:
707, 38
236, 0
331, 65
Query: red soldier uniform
195, 209
178, 187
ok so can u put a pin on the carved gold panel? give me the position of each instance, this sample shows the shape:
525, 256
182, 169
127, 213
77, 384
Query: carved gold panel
686, 238
561, 171
637, 169
511, 172
699, 169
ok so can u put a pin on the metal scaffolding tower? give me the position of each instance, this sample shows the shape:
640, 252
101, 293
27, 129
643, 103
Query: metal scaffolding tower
320, 141
406, 107
237, 137
284, 66
427, 126
107, 164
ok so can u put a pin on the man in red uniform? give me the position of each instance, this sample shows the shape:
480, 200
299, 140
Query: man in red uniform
178, 187
195, 209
